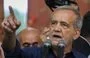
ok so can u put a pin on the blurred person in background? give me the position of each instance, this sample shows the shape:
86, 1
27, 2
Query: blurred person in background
29, 37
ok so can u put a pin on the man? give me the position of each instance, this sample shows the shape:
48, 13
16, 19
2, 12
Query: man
65, 25
81, 41
30, 42
29, 37
11, 45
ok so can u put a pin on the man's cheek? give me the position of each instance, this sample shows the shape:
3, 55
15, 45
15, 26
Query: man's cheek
68, 37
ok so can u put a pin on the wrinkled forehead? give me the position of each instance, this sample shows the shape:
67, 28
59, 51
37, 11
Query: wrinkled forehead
64, 14
64, 11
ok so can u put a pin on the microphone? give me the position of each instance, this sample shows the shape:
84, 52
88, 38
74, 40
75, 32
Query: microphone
46, 48
60, 49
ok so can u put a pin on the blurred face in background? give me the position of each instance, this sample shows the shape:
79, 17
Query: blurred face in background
29, 38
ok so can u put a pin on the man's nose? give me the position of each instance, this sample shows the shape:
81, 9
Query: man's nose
57, 28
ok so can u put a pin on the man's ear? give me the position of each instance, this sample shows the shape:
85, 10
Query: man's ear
77, 34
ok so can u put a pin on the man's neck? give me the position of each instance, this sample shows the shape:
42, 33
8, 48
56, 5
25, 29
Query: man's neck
67, 49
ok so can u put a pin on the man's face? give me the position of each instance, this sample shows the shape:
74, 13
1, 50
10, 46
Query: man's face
62, 26
30, 39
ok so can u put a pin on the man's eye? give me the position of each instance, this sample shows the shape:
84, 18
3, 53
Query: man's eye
65, 25
35, 43
53, 22
26, 44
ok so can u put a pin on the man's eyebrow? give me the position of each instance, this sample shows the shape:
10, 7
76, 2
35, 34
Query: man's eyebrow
63, 22
66, 23
53, 21
26, 43
35, 43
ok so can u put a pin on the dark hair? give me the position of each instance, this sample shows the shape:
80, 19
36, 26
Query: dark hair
54, 3
85, 31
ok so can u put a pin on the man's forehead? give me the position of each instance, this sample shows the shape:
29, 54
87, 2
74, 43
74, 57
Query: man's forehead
65, 9
59, 11
63, 14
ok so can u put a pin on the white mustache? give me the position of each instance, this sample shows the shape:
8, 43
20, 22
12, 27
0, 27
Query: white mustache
58, 39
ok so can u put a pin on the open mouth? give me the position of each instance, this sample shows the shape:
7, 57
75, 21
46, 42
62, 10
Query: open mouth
57, 36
